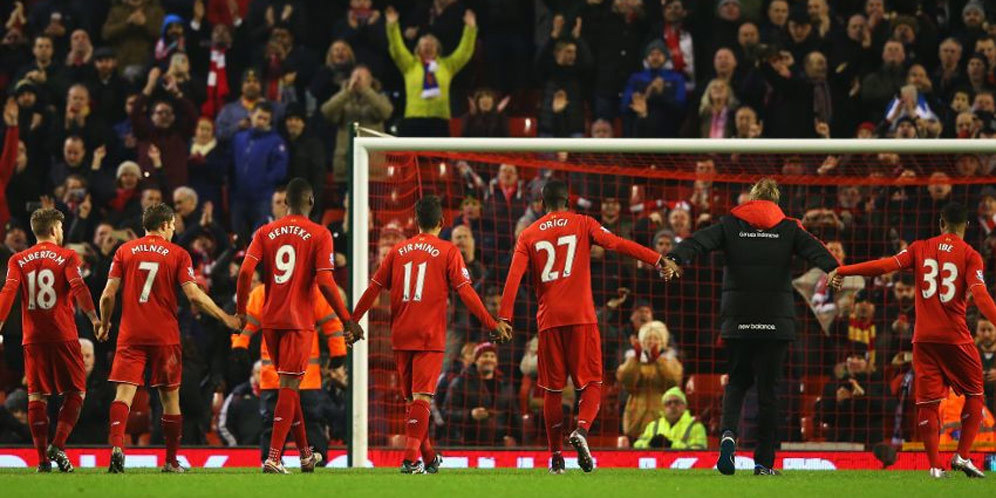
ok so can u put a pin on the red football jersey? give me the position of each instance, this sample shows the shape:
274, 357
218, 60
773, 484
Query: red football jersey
151, 268
946, 269
557, 248
44, 273
293, 250
420, 273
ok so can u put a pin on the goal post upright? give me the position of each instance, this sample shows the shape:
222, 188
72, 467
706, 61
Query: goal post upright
363, 146
359, 268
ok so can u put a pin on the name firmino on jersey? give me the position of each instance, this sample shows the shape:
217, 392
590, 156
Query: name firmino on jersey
41, 255
289, 230
419, 246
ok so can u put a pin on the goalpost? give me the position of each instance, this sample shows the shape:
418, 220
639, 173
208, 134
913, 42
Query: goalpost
651, 161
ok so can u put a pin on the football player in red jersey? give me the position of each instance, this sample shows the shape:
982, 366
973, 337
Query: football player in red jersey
149, 270
297, 254
48, 274
420, 273
557, 248
947, 269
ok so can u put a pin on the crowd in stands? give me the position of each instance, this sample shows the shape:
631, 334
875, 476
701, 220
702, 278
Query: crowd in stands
213, 105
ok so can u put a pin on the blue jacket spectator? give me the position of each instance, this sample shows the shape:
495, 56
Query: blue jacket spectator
260, 158
660, 96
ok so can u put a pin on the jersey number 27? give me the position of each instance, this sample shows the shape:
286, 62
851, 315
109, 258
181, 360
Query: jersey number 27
548, 275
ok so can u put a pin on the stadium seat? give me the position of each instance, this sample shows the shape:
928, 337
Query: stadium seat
522, 127
456, 127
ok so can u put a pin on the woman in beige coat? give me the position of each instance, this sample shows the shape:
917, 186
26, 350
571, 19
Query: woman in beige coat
650, 369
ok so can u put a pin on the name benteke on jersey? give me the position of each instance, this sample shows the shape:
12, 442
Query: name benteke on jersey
27, 258
419, 246
289, 230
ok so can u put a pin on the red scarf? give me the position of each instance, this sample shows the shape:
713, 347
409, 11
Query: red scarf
122, 198
672, 37
217, 84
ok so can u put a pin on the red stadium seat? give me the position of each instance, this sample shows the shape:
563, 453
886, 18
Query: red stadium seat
522, 127
139, 419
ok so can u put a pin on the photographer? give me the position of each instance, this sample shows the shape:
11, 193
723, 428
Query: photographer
851, 405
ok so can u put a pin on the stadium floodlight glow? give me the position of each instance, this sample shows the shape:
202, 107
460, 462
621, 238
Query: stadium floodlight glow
369, 143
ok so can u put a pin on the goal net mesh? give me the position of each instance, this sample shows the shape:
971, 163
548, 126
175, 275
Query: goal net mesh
848, 377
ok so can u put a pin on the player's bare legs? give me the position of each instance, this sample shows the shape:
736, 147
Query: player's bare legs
553, 416
417, 440
172, 425
971, 420
68, 415
928, 423
38, 423
118, 422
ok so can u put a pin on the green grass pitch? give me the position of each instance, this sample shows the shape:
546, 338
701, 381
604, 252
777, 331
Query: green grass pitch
384, 483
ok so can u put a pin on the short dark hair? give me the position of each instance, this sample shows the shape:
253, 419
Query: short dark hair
299, 194
156, 216
954, 214
429, 212
555, 194
43, 221
264, 107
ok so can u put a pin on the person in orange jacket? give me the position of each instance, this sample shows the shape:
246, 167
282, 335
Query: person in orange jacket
312, 395
951, 421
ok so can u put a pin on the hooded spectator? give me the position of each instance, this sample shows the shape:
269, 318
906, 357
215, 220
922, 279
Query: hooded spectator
654, 99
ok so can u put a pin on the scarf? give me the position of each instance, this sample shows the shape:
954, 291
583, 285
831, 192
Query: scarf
121, 199
430, 85
197, 149
821, 102
988, 223
272, 81
672, 37
217, 84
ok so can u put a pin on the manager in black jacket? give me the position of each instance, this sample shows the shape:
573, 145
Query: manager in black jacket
757, 311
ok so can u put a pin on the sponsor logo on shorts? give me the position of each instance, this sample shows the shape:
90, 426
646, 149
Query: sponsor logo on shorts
756, 326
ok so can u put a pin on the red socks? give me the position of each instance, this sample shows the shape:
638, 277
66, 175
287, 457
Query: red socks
300, 430
591, 399
172, 432
417, 428
283, 417
928, 424
971, 420
38, 422
118, 422
428, 453
68, 415
553, 415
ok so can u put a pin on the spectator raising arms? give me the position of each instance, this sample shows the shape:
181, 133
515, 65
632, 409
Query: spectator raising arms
428, 75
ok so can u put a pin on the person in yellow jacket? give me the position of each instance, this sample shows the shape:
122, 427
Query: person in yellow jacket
428, 76
313, 397
677, 429
951, 421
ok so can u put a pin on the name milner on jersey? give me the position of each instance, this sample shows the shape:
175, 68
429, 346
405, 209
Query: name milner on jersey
289, 230
32, 256
149, 248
